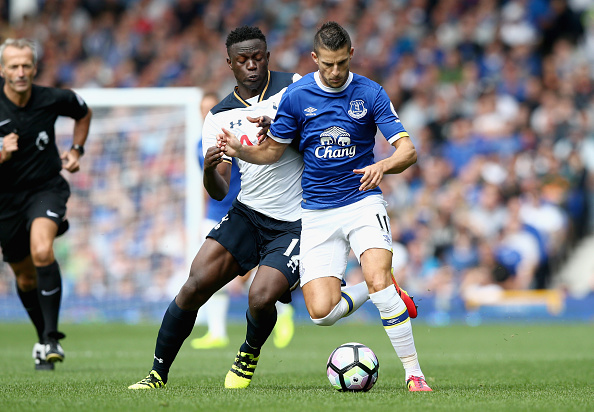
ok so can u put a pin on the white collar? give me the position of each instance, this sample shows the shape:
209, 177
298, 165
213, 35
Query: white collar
332, 89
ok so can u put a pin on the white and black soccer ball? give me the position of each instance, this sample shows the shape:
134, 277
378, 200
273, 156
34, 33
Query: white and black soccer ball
352, 367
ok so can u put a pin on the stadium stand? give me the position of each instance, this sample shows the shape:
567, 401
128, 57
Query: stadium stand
498, 97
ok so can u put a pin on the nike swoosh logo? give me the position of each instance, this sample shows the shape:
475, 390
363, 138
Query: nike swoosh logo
51, 292
52, 214
3, 122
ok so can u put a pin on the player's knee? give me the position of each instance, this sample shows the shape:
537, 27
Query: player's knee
262, 298
379, 283
42, 255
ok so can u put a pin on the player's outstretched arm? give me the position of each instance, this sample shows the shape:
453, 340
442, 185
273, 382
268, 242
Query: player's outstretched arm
404, 157
268, 152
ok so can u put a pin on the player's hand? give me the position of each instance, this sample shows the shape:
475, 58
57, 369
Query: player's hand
372, 176
264, 123
228, 143
70, 161
213, 157
10, 144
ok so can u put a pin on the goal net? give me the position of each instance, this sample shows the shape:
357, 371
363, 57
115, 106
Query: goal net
135, 208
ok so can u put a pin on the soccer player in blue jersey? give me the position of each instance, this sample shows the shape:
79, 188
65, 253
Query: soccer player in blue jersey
334, 114
262, 228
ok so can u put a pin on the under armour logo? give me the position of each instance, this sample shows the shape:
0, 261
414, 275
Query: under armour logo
232, 124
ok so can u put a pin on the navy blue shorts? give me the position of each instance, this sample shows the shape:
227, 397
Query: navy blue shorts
48, 200
256, 239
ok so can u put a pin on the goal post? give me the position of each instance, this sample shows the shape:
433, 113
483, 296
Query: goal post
186, 98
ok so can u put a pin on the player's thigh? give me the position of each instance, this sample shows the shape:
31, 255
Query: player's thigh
279, 252
48, 202
239, 237
43, 232
213, 267
371, 240
324, 246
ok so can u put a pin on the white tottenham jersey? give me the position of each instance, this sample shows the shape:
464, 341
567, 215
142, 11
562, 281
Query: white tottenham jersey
273, 190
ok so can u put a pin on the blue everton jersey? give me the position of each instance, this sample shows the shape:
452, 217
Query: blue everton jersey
336, 129
217, 209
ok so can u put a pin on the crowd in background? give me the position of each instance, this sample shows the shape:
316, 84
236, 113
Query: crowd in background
498, 97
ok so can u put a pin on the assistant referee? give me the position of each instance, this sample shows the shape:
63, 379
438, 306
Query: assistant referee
33, 193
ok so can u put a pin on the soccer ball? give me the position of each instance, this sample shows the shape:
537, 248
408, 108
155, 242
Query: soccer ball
352, 367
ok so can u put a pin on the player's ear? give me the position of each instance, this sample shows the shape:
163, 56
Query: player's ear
314, 56
229, 63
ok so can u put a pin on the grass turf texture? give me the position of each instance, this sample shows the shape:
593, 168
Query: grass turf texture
488, 368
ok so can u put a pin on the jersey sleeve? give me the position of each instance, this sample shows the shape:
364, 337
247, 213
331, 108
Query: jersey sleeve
210, 130
387, 119
70, 104
284, 127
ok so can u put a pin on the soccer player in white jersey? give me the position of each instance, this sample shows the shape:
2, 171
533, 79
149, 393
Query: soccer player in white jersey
262, 228
334, 114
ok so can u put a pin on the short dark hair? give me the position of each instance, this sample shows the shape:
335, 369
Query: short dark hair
331, 36
244, 33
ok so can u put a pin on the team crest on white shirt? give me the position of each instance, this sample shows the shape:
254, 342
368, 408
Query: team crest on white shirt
357, 109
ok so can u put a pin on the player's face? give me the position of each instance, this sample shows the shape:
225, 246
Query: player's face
18, 69
249, 62
334, 66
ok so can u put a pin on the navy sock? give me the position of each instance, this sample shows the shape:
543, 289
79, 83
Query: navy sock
176, 327
49, 287
30, 302
257, 332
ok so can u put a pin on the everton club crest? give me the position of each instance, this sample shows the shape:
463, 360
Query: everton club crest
357, 109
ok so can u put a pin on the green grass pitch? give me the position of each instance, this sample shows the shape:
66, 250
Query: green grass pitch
502, 367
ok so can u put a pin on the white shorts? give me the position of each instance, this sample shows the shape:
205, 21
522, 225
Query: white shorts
328, 235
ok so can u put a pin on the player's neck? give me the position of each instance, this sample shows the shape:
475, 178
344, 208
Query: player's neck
19, 99
247, 94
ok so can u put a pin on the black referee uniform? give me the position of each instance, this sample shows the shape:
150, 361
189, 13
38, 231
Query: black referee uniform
31, 187
35, 168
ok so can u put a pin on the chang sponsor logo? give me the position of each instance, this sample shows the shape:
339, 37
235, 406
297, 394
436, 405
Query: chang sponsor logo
331, 137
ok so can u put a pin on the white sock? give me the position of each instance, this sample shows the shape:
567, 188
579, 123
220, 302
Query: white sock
216, 314
398, 327
282, 308
352, 299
